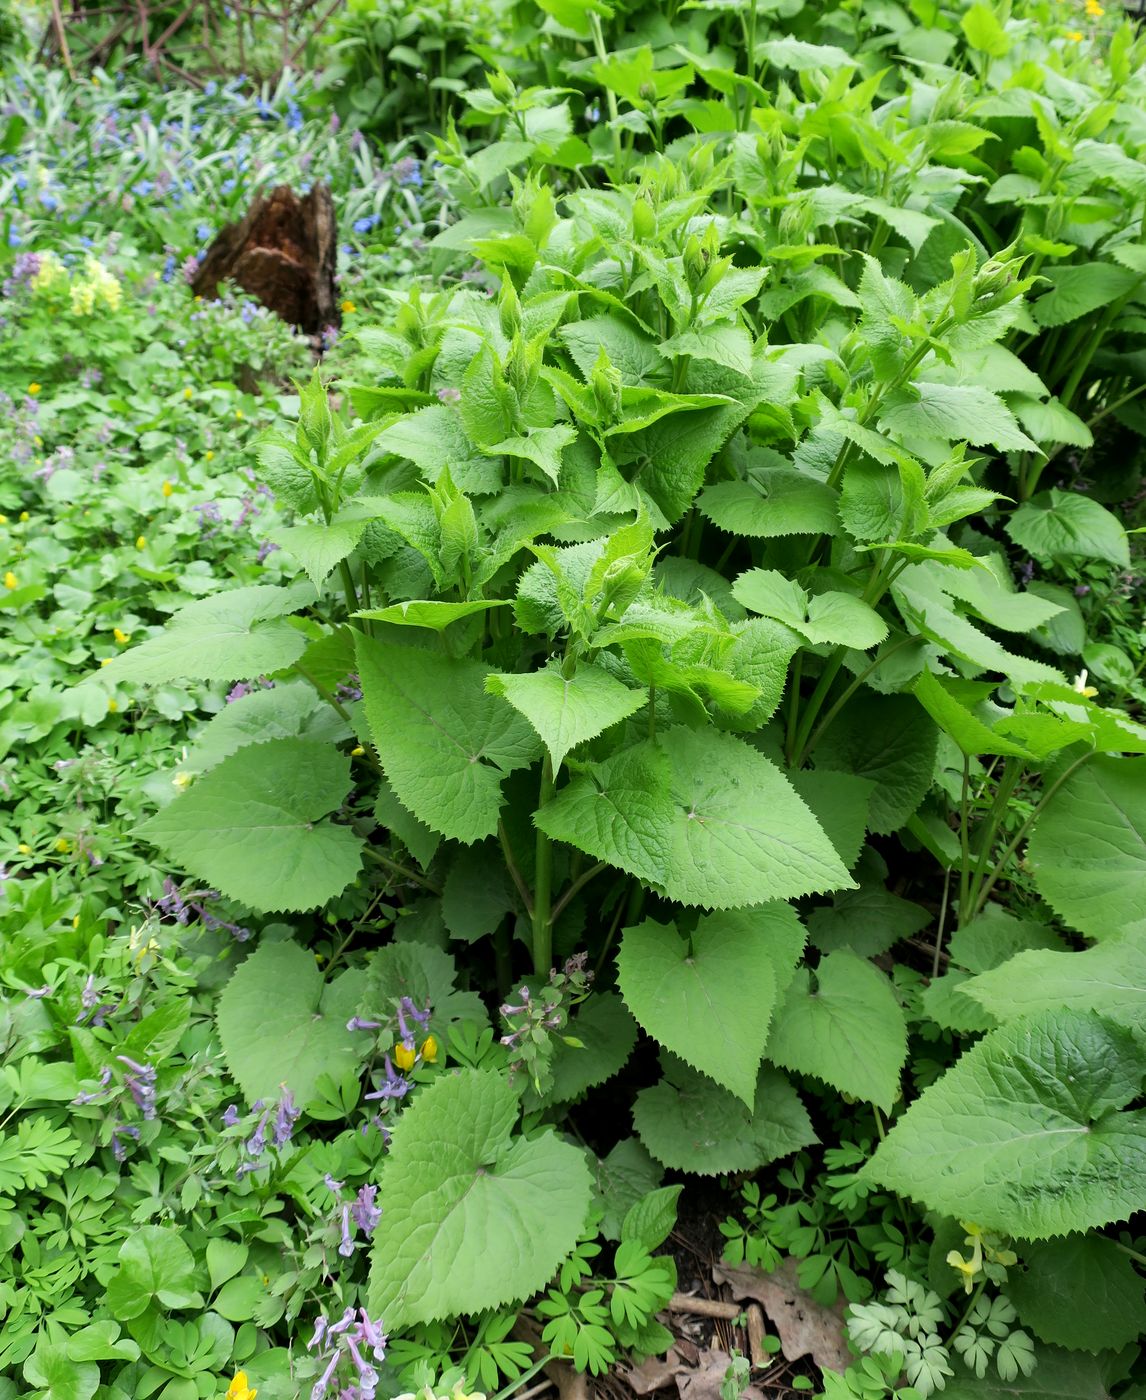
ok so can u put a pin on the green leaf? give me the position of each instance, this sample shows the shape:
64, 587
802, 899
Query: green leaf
1050, 421
884, 738
995, 935
649, 1221
1066, 525
1077, 290
984, 32
426, 975
691, 1125
568, 710
253, 826
320, 546
474, 1216
1109, 978
290, 711
845, 1027
700, 815
154, 1263
708, 997
955, 413
100, 1341
1025, 1135
281, 1026
868, 921
839, 802
1061, 1272
673, 454
433, 615
622, 1178
433, 439
446, 744
774, 503
956, 720
1058, 1375
1088, 848
227, 637
225, 1258
607, 1034
56, 1376
822, 618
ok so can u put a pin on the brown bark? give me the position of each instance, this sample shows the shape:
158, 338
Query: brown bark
282, 252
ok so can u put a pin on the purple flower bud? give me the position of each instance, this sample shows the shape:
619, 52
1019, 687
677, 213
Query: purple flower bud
373, 1335
230, 1115
356, 1023
346, 1248
334, 1187
285, 1119
320, 1327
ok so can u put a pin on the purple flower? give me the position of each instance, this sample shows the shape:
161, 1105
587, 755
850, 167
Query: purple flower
257, 1142
39, 993
448, 394
356, 1023
230, 1115
285, 1119
395, 1087
119, 1151
349, 690
1081, 590
140, 1083
334, 1187
266, 548
366, 1214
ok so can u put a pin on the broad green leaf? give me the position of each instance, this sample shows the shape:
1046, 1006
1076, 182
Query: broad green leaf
1077, 290
692, 1125
433, 439
100, 1341
424, 974
474, 1217
884, 738
984, 32
956, 720
290, 711
607, 1034
568, 710
867, 921
416, 836
227, 637
446, 744
1088, 848
800, 56
839, 802
320, 546
996, 935
1066, 525
1028, 1134
649, 1221
1109, 978
708, 996
881, 501
843, 1024
955, 413
772, 504
1061, 1272
282, 1027
55, 1376
821, 618
700, 815
1058, 1375
256, 826
1050, 421
434, 616
672, 455
154, 1263
621, 1179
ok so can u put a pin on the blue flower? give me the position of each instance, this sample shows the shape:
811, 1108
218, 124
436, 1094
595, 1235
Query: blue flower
364, 225
294, 116
49, 201
203, 232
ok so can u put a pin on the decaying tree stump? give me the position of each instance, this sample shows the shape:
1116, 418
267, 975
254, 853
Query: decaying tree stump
283, 252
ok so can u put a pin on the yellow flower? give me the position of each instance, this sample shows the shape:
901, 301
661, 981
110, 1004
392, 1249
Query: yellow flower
63, 845
239, 1389
75, 921
106, 661
357, 752
113, 707
238, 413
430, 1050
168, 489
121, 637
3, 520
1086, 691
210, 456
186, 393
1074, 35
404, 1057
24, 848
1094, 9
24, 515
348, 308
38, 440
10, 580
34, 389
182, 781
141, 543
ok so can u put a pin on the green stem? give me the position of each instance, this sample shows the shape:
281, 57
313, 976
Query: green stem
848, 692
578, 884
815, 705
610, 97
1133, 1253
397, 869
526, 1375
1012, 770
543, 883
942, 921
511, 866
964, 840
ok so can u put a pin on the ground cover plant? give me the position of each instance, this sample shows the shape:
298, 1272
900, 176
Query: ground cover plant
659, 701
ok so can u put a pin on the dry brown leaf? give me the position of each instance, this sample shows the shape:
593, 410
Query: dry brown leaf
805, 1327
655, 1372
705, 1381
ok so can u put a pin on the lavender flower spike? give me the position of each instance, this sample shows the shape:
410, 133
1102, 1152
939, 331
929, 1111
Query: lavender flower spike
366, 1214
